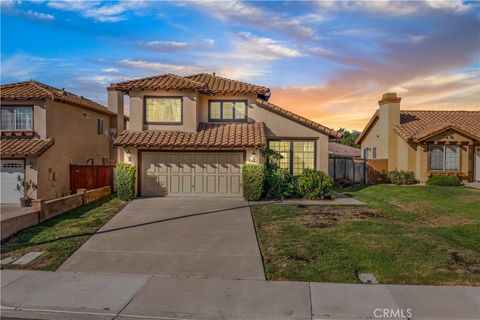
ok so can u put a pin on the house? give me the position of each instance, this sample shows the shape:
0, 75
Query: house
43, 131
423, 141
189, 136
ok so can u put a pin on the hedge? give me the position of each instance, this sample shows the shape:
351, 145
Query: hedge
315, 184
125, 181
253, 179
444, 181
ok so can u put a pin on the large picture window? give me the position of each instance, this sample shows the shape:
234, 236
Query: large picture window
444, 158
297, 155
163, 110
227, 110
17, 118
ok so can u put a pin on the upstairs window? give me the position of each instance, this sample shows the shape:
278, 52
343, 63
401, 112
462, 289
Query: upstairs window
227, 110
374, 153
163, 110
99, 126
17, 118
444, 158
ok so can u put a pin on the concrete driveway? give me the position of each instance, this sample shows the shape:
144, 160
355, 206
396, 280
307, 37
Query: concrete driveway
200, 237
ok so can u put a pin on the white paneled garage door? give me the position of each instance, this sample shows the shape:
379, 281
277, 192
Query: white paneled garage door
191, 174
11, 169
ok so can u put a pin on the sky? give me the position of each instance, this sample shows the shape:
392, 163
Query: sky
329, 61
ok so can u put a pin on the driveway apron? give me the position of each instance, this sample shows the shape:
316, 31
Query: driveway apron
199, 237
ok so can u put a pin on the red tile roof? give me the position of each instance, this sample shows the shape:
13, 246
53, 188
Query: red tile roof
299, 119
222, 85
10, 148
204, 82
208, 137
34, 90
417, 125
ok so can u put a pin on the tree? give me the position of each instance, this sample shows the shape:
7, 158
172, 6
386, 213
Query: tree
348, 137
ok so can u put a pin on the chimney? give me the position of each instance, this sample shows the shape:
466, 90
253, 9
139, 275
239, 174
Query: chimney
115, 105
389, 116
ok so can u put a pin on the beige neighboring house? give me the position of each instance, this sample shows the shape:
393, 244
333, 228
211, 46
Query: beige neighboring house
43, 131
426, 142
189, 136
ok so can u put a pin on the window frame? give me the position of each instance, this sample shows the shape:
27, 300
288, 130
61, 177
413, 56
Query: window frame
244, 119
145, 98
374, 152
459, 163
100, 121
15, 120
291, 150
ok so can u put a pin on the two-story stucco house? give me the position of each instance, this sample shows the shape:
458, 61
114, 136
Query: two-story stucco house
43, 131
427, 142
189, 136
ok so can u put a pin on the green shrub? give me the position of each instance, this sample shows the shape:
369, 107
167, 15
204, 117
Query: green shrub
401, 177
125, 173
292, 190
315, 184
253, 180
444, 181
277, 181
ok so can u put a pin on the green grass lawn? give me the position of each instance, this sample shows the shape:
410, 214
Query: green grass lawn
59, 237
403, 235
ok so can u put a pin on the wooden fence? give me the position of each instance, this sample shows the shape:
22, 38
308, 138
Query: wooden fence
91, 177
349, 169
376, 167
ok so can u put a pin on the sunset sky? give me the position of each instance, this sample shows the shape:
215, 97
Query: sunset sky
328, 61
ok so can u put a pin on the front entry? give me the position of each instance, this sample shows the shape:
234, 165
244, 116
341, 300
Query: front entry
477, 164
191, 174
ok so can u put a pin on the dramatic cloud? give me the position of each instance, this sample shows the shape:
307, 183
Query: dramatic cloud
165, 46
249, 46
247, 14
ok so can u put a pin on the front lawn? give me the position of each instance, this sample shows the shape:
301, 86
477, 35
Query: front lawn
59, 237
403, 235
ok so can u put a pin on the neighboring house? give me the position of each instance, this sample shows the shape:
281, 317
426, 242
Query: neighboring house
343, 151
190, 135
423, 141
43, 131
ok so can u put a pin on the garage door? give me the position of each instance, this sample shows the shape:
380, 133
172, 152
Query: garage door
191, 174
11, 169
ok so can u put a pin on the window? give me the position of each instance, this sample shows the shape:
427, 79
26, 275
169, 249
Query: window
163, 110
99, 126
374, 153
444, 158
297, 155
365, 153
227, 110
16, 118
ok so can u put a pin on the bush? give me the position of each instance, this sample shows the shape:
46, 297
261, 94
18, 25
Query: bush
277, 181
401, 177
444, 181
253, 180
315, 184
125, 173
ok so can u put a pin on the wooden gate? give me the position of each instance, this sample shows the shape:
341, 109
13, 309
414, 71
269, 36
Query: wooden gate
376, 167
90, 177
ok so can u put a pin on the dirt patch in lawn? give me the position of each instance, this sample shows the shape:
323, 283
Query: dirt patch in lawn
319, 217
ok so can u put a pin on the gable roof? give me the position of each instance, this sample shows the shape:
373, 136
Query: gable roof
34, 90
204, 82
209, 136
299, 119
418, 125
24, 147
218, 84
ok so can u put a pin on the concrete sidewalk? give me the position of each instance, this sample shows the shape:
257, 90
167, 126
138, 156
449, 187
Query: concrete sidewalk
70, 295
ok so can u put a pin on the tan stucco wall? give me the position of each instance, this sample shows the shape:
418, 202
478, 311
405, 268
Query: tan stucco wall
136, 105
76, 141
375, 139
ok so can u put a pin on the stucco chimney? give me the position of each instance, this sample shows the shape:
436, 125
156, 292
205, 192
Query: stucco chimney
389, 116
115, 105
